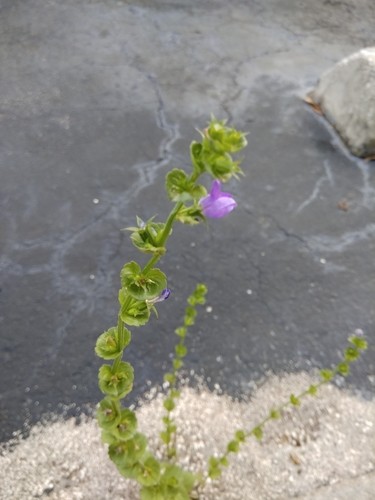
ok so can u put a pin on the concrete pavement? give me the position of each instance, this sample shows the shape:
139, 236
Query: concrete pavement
98, 100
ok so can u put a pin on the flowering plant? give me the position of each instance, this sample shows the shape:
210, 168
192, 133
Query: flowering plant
142, 288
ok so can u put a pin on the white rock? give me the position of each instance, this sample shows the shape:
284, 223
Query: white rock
346, 96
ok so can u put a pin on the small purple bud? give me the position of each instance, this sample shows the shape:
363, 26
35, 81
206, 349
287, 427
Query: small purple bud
217, 203
163, 296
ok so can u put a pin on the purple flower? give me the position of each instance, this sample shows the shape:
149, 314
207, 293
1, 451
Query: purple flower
217, 204
163, 296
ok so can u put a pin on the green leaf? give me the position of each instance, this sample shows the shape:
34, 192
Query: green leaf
108, 437
294, 400
170, 377
275, 414
109, 345
224, 462
343, 368
224, 139
177, 364
147, 473
108, 413
142, 285
179, 479
126, 453
359, 342
351, 354
190, 315
312, 389
169, 404
153, 493
213, 462
201, 290
145, 237
258, 433
181, 350
165, 437
191, 215
181, 331
214, 472
326, 375
116, 382
196, 157
133, 312
127, 425
222, 167
240, 436
233, 446
181, 189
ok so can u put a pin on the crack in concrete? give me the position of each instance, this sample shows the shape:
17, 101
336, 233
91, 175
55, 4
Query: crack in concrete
328, 177
65, 281
331, 244
368, 191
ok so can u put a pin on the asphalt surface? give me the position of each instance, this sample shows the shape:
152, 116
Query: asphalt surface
99, 99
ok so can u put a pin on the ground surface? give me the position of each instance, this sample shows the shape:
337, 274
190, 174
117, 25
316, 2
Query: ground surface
98, 100
322, 451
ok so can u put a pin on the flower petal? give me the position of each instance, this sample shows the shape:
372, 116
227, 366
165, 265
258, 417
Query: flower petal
217, 203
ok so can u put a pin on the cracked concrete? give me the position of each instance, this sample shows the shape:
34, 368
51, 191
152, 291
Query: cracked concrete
99, 99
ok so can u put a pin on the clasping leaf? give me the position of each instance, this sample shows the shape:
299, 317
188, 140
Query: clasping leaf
181, 188
142, 285
116, 382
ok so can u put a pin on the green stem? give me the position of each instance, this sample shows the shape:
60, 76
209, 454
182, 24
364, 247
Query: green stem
120, 330
164, 236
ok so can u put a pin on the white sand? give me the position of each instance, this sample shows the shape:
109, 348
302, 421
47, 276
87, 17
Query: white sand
329, 439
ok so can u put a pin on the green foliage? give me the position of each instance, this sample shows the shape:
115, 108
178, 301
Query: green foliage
190, 315
141, 288
359, 342
181, 331
190, 215
275, 414
169, 404
126, 426
351, 354
214, 470
343, 368
312, 390
177, 365
233, 446
213, 155
258, 432
170, 378
109, 345
294, 400
142, 285
116, 381
240, 436
108, 413
168, 434
146, 236
125, 454
174, 484
182, 188
181, 350
133, 312
223, 139
147, 472
326, 375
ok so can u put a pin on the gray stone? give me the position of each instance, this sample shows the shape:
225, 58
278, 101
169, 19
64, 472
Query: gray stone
346, 96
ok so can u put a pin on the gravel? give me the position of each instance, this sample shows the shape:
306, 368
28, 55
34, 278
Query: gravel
328, 442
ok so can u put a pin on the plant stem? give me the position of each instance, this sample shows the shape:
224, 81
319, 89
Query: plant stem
164, 236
